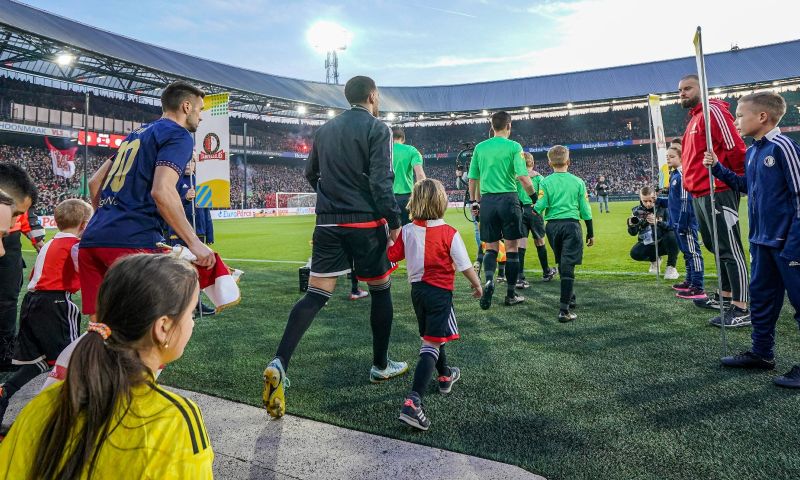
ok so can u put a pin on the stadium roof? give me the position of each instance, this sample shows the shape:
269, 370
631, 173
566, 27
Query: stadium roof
31, 38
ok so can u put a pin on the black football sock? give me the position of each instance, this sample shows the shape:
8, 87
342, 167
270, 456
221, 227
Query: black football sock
542, 252
380, 319
425, 366
441, 365
567, 284
521, 275
489, 264
300, 319
512, 270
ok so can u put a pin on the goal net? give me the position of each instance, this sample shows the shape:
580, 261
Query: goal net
295, 199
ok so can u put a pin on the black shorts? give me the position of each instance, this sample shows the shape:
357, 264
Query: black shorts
532, 222
48, 322
338, 250
435, 314
402, 202
566, 241
501, 217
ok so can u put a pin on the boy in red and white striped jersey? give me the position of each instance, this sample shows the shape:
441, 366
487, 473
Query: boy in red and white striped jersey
432, 249
48, 319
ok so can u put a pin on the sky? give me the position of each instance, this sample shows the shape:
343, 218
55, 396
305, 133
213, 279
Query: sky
419, 42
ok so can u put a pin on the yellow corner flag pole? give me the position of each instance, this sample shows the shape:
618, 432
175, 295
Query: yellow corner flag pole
701, 73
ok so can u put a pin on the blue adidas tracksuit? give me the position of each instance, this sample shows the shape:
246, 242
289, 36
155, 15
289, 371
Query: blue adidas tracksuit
772, 181
684, 222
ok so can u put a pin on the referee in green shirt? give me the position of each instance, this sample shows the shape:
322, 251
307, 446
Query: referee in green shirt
563, 202
496, 165
533, 224
406, 163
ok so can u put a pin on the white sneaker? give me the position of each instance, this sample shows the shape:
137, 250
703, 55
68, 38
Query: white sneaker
393, 369
655, 266
671, 273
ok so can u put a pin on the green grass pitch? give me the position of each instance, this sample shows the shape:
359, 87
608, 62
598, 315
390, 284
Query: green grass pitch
632, 389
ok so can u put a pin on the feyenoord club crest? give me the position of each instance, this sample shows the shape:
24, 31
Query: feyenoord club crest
211, 148
769, 161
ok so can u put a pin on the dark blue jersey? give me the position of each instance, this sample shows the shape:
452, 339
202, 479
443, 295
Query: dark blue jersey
127, 216
681, 211
772, 181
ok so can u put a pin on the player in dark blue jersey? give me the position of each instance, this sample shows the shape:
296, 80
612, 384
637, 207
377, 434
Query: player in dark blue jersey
134, 191
772, 184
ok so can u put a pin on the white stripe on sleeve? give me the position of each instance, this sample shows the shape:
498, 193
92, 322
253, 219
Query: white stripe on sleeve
727, 135
458, 252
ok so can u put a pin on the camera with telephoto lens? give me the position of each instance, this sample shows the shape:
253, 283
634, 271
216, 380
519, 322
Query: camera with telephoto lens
639, 217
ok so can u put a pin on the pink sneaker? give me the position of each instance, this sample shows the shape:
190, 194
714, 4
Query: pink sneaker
682, 287
691, 294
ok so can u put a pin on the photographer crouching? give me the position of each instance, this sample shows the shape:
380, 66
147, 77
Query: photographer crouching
645, 217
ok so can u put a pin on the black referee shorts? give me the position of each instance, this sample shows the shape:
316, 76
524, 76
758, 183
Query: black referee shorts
566, 240
402, 202
532, 223
48, 323
435, 314
501, 217
338, 250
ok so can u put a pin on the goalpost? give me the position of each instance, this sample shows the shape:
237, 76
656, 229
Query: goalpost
295, 199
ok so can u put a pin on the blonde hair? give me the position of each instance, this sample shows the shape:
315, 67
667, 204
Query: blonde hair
770, 102
428, 200
71, 213
528, 159
558, 156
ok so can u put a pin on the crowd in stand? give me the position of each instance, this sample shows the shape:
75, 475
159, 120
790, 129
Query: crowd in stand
273, 136
52, 188
625, 173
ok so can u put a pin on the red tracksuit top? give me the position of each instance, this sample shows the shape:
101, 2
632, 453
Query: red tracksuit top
727, 144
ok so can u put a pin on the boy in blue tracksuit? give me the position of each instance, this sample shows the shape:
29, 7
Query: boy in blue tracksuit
772, 181
684, 223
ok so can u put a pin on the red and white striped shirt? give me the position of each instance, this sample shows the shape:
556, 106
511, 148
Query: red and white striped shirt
56, 266
431, 248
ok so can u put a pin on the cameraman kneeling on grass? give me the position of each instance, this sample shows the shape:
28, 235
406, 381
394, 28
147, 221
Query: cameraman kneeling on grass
643, 223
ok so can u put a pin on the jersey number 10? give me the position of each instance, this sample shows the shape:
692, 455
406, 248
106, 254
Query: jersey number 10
122, 165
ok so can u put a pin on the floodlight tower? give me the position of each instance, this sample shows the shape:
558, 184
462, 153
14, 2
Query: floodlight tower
329, 38
332, 68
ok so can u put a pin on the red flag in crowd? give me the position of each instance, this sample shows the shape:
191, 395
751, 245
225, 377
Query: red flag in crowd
63, 159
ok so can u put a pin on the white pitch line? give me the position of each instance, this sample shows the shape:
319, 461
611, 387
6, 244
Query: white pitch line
586, 272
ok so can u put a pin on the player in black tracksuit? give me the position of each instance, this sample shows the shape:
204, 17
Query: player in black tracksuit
350, 168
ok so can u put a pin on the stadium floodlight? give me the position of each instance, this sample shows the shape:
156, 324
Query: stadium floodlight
390, 116
301, 109
269, 104
329, 38
331, 113
570, 105
325, 36
717, 90
775, 83
452, 115
663, 96
65, 59
484, 113
421, 116
527, 109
